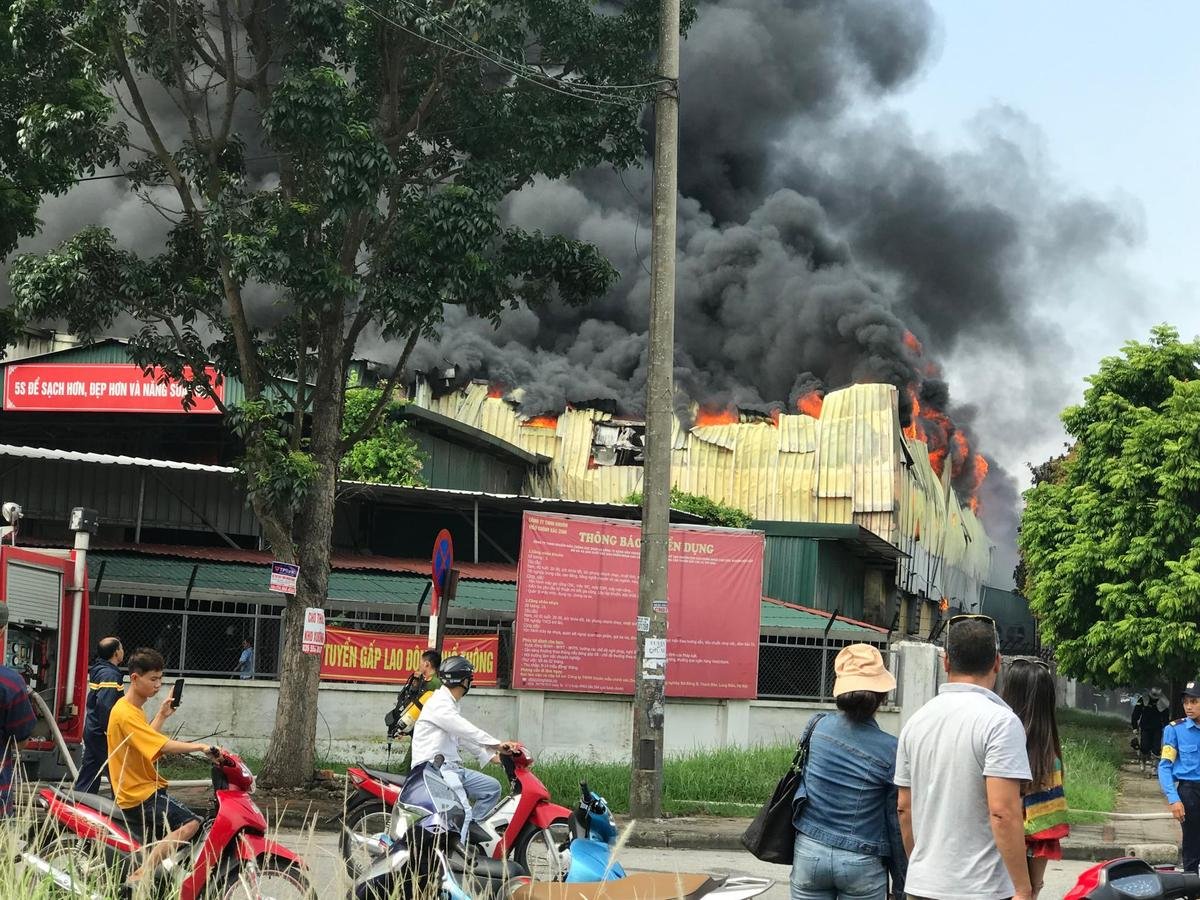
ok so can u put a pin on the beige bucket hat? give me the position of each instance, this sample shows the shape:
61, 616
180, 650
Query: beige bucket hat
860, 667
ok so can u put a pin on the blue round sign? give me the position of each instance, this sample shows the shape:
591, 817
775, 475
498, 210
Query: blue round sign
443, 560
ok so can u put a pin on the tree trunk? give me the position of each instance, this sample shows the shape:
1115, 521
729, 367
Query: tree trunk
289, 760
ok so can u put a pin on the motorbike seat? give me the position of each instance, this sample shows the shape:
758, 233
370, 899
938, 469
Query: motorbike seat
385, 777
638, 886
95, 801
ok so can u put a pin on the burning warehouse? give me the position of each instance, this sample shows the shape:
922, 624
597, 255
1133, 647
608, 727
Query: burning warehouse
843, 459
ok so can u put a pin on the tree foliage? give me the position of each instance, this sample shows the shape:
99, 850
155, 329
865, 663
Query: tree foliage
389, 455
711, 511
322, 169
1111, 540
54, 116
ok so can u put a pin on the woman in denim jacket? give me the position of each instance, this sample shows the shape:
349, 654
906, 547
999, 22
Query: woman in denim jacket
848, 833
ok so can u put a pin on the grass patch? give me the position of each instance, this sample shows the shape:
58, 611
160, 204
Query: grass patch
1093, 750
734, 782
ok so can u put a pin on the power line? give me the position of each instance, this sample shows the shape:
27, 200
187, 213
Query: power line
496, 56
538, 79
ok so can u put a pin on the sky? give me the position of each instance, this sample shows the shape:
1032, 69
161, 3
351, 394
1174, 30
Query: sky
1110, 91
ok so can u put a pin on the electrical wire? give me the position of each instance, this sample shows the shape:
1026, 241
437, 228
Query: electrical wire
497, 56
540, 80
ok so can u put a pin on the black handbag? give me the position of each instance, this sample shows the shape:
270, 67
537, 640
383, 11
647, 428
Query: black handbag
771, 836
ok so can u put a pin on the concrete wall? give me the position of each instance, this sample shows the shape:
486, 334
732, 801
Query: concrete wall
590, 726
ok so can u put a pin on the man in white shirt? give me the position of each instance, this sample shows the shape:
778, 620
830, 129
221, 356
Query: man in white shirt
443, 731
959, 767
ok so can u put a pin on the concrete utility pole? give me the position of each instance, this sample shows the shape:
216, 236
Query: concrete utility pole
645, 789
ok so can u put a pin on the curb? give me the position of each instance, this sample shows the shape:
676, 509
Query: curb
1155, 854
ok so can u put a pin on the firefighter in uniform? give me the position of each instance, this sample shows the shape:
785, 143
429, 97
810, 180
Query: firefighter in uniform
104, 690
1179, 774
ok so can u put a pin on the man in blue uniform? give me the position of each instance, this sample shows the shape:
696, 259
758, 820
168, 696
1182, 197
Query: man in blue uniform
104, 689
1179, 774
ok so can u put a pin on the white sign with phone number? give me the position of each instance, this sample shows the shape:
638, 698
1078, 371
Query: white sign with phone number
314, 631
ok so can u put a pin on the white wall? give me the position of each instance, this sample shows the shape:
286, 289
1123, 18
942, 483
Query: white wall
591, 726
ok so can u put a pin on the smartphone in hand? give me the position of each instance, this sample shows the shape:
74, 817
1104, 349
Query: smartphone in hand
177, 693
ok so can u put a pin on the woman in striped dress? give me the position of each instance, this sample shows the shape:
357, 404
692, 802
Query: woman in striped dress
1029, 690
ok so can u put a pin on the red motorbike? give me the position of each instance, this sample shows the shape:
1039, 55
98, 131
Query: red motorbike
525, 825
230, 858
1134, 878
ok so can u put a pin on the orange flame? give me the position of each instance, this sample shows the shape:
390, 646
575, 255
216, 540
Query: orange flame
497, 391
911, 432
541, 422
911, 342
775, 414
810, 404
708, 416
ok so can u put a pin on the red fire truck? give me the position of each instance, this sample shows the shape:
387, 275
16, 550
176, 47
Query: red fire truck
46, 639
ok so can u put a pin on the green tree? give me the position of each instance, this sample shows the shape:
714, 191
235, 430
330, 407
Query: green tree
324, 169
1111, 538
389, 455
712, 512
54, 116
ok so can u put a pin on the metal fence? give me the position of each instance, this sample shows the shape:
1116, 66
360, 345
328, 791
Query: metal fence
203, 638
800, 667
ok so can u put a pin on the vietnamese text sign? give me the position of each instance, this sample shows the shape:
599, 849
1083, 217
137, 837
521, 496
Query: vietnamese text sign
577, 622
99, 387
283, 578
314, 631
390, 658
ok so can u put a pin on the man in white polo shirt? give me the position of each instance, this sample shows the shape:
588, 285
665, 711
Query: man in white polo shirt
959, 767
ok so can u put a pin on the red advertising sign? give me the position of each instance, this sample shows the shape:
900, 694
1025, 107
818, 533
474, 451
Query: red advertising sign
577, 622
99, 387
383, 658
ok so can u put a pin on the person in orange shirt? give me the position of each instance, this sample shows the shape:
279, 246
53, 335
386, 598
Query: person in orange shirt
134, 748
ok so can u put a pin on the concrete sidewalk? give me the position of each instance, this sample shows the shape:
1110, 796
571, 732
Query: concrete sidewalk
1141, 826
1149, 832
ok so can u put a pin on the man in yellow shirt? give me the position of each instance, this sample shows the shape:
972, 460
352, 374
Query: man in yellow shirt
134, 747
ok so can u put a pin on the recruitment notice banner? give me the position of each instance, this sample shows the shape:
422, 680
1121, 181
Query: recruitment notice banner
100, 387
383, 658
577, 620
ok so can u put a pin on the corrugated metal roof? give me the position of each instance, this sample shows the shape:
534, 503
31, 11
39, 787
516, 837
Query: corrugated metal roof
778, 614
153, 574
109, 459
498, 572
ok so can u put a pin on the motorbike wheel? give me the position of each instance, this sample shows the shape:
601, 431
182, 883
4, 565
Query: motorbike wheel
84, 861
543, 851
370, 818
274, 878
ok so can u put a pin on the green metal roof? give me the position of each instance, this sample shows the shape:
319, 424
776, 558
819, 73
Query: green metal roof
775, 616
864, 541
364, 586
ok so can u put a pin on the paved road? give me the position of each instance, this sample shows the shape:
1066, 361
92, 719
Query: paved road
320, 850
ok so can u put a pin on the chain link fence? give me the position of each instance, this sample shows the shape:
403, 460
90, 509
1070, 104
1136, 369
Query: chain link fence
800, 667
203, 638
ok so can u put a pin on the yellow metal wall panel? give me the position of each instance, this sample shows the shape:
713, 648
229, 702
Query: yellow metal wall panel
847, 467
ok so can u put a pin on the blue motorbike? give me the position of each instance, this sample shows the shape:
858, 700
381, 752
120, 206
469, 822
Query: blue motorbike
594, 874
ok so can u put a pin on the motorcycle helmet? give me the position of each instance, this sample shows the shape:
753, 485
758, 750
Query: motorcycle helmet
456, 671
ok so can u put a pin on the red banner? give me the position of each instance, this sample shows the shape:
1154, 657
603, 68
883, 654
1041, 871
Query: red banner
383, 658
99, 387
577, 622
